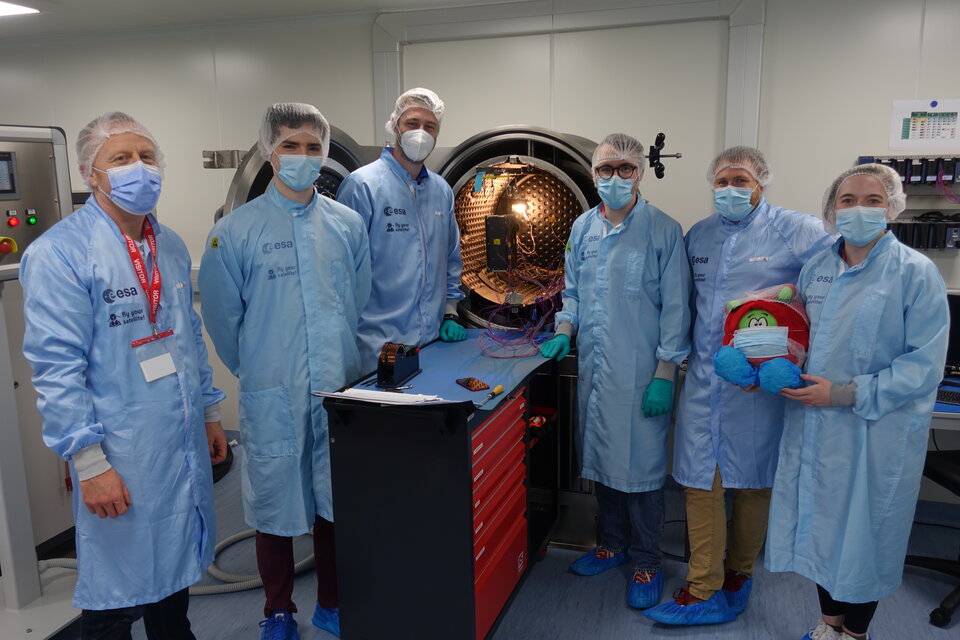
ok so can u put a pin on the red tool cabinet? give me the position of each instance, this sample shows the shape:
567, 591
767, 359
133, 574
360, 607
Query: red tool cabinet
431, 516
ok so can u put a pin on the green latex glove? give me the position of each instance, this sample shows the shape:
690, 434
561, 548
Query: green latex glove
556, 347
450, 331
658, 398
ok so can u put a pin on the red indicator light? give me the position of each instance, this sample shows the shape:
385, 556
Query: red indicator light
13, 222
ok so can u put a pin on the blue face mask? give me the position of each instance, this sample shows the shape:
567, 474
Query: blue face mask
299, 172
761, 342
616, 192
733, 203
135, 188
860, 225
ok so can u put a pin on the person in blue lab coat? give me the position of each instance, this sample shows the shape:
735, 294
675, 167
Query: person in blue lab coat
726, 437
627, 282
282, 282
126, 394
855, 437
414, 238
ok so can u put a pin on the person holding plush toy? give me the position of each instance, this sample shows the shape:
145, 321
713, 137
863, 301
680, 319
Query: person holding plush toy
726, 438
855, 436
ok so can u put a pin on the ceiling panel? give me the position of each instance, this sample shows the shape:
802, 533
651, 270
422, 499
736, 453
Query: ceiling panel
71, 18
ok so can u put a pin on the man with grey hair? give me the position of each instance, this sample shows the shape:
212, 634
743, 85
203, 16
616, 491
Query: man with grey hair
283, 281
126, 394
726, 437
414, 238
625, 296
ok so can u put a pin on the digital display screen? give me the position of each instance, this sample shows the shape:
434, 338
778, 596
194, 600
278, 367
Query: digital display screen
8, 174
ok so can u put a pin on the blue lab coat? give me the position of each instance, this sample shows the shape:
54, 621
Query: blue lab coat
83, 307
626, 291
718, 423
847, 483
414, 252
282, 285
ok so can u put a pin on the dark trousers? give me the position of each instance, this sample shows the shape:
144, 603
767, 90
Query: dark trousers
856, 616
164, 620
275, 562
632, 521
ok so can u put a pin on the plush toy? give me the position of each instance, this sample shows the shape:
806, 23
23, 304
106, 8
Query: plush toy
765, 339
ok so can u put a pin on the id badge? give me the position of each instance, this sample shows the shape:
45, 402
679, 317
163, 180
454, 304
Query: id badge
154, 357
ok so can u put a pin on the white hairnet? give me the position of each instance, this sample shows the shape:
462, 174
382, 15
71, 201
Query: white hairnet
299, 118
112, 123
419, 97
619, 146
889, 180
747, 158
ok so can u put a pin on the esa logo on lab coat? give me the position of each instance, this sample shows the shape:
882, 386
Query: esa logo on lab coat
112, 295
270, 247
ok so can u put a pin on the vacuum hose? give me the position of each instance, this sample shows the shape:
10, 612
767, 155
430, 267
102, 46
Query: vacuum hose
233, 582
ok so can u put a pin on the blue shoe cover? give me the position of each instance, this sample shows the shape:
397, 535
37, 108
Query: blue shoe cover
779, 373
327, 619
279, 626
712, 611
590, 565
643, 595
731, 365
737, 600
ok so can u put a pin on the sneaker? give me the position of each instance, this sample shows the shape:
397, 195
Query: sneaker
327, 619
736, 589
822, 631
686, 610
279, 626
645, 589
598, 560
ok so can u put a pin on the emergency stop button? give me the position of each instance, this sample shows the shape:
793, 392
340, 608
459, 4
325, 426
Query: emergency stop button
7, 245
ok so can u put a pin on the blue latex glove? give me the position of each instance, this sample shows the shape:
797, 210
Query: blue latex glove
731, 365
779, 373
451, 331
658, 398
556, 347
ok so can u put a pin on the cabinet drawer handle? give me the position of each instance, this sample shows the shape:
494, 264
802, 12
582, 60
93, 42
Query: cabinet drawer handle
477, 477
479, 447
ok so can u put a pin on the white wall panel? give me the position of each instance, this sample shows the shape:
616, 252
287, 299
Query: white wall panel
666, 78
830, 72
483, 83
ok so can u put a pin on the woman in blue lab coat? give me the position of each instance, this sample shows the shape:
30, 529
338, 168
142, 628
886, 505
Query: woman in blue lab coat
855, 437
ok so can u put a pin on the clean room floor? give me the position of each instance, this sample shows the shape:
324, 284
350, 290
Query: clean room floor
556, 605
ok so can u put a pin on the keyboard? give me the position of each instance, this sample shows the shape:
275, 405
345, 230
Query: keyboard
948, 397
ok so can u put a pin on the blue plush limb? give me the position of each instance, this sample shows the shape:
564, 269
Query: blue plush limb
779, 373
731, 365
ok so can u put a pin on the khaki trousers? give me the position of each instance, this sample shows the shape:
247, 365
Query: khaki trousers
710, 537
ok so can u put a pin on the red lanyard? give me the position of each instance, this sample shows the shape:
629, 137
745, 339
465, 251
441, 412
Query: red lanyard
150, 288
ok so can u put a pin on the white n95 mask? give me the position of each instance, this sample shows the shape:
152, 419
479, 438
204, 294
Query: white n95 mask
417, 144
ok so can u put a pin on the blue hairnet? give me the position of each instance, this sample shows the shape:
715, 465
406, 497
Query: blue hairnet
889, 180
112, 123
296, 116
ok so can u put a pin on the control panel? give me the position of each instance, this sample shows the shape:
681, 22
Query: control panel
34, 189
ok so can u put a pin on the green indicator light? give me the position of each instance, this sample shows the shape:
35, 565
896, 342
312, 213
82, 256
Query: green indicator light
32, 220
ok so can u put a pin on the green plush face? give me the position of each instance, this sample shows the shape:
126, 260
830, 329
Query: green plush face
757, 318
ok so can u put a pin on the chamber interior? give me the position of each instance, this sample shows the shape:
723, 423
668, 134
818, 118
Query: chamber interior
543, 209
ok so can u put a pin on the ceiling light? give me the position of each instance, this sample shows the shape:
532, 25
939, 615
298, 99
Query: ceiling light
10, 9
